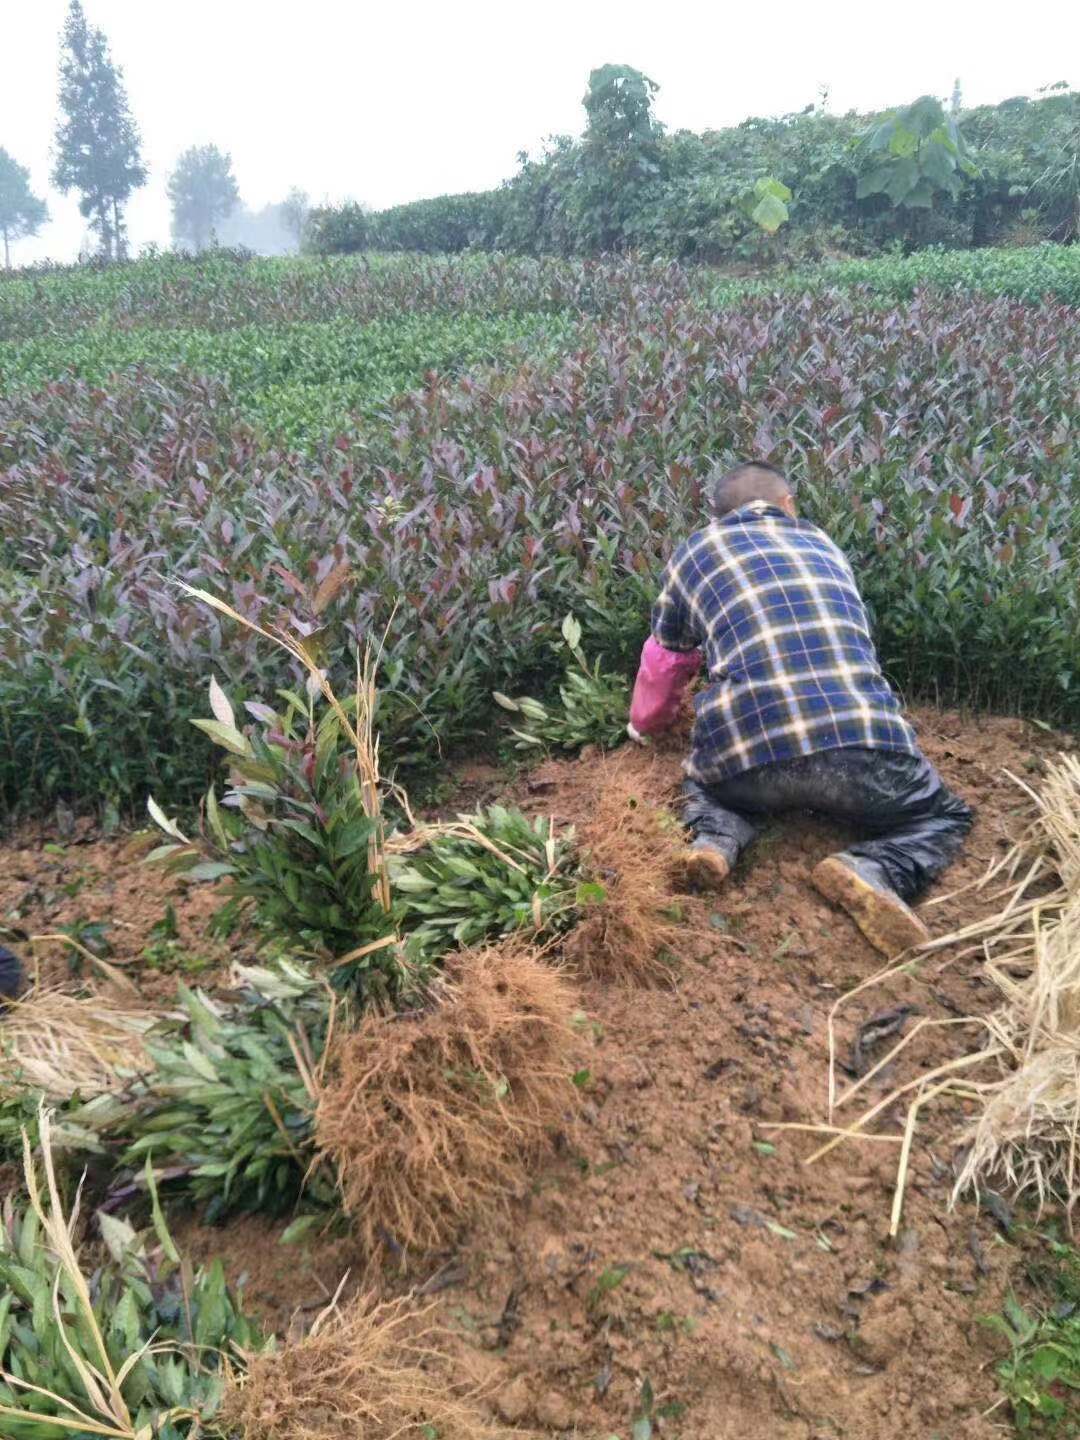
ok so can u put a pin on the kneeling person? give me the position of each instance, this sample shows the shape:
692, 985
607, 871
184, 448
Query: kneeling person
797, 714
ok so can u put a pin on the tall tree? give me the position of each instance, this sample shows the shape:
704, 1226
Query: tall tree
620, 153
21, 211
97, 142
295, 209
203, 191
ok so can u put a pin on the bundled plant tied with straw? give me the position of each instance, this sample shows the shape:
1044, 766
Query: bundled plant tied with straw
592, 705
142, 1349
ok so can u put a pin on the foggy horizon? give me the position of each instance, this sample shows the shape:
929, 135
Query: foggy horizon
403, 105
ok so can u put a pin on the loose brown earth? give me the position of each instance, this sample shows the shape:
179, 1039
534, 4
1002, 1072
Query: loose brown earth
678, 1240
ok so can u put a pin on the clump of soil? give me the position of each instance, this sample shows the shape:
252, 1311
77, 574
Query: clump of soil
433, 1116
632, 845
369, 1370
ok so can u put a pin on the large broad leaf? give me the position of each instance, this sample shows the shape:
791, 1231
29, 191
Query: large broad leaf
873, 181
924, 116
904, 142
770, 213
938, 165
920, 196
769, 185
902, 180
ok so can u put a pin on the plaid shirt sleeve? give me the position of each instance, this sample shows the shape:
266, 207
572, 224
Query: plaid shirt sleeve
673, 623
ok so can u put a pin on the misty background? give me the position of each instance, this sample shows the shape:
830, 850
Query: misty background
387, 104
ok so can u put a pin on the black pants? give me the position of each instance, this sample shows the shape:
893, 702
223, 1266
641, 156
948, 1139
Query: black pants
913, 824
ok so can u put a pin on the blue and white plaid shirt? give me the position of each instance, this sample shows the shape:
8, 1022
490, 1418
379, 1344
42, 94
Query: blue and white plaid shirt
774, 606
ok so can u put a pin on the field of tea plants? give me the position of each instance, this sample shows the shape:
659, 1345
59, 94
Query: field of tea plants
456, 454
224, 485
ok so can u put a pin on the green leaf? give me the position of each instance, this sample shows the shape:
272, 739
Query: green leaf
210, 870
227, 736
213, 816
301, 1226
770, 213
160, 818
118, 1234
219, 704
212, 1317
777, 1229
571, 632
161, 1230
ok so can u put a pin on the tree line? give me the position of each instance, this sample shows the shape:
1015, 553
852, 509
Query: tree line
98, 155
795, 188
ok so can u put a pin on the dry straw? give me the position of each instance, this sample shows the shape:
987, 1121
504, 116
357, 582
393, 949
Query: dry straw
1028, 1131
63, 1045
366, 1369
1024, 1080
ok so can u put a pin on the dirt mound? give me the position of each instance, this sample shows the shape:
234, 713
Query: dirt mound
430, 1116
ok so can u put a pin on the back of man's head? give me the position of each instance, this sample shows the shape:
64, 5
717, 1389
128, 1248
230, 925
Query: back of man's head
751, 481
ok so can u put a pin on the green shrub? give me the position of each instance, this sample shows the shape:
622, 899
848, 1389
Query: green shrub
296, 840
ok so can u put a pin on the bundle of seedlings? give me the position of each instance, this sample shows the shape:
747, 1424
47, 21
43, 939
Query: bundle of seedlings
371, 1370
298, 838
301, 845
429, 1117
139, 1345
224, 1106
500, 872
592, 706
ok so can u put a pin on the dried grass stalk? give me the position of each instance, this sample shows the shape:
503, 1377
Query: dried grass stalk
632, 849
433, 1117
366, 1370
1028, 1132
64, 1044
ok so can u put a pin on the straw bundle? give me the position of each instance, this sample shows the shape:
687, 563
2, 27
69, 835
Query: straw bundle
1029, 1128
1027, 1131
63, 1045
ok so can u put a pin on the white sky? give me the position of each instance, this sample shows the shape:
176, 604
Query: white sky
384, 102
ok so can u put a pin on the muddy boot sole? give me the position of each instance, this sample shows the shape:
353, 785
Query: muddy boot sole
891, 926
702, 870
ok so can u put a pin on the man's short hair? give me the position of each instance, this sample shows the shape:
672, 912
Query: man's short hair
744, 483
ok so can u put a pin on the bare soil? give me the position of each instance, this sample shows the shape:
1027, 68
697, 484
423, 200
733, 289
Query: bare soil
677, 1244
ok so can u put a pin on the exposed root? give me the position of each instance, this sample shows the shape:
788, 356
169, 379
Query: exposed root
433, 1117
367, 1370
632, 849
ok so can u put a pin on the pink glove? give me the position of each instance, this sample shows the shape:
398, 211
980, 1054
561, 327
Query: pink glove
662, 677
